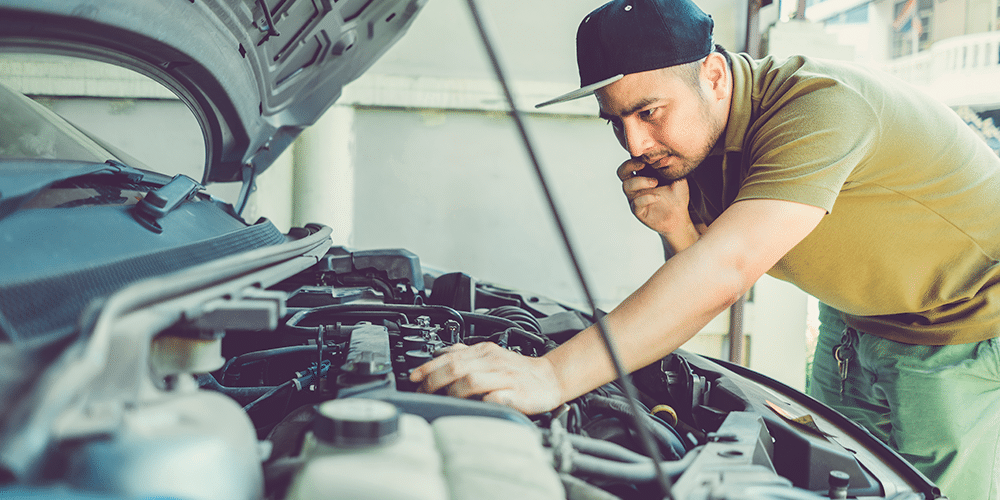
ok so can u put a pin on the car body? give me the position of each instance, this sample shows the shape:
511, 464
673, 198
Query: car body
155, 344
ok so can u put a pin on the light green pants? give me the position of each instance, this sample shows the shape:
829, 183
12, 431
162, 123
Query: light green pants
937, 406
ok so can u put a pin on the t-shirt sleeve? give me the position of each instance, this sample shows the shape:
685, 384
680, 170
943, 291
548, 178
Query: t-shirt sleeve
804, 147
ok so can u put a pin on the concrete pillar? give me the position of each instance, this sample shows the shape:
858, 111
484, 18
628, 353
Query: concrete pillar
324, 174
273, 198
778, 326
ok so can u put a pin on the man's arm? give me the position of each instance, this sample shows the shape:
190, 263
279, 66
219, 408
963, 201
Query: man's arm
679, 299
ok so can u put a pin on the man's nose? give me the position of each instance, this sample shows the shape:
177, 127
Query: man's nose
637, 139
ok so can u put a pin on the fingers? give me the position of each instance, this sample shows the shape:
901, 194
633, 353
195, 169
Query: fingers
635, 185
458, 368
626, 170
448, 349
497, 375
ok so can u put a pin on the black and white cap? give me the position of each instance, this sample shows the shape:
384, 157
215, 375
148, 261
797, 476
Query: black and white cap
632, 36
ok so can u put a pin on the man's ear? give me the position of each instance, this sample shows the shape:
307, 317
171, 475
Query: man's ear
714, 72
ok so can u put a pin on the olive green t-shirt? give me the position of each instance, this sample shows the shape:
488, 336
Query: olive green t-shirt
909, 247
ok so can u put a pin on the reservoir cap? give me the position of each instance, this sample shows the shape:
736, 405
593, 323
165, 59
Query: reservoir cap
356, 422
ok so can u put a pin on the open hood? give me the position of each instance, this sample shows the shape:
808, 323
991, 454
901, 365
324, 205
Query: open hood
254, 72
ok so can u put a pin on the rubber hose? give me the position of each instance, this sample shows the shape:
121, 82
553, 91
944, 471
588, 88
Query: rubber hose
517, 315
771, 493
266, 353
605, 449
241, 395
629, 472
428, 310
667, 436
578, 489
485, 319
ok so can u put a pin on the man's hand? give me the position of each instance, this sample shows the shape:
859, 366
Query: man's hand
526, 384
663, 209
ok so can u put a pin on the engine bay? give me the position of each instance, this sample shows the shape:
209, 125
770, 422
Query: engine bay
283, 373
357, 324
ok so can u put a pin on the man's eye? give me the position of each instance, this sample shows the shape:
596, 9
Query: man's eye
646, 113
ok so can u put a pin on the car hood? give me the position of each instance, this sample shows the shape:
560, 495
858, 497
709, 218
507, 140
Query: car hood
254, 72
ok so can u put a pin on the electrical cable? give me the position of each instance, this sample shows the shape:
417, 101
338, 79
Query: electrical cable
644, 433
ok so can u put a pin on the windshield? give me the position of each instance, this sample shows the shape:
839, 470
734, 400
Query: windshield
66, 107
29, 131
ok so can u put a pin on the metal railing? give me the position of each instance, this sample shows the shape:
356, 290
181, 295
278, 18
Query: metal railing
954, 65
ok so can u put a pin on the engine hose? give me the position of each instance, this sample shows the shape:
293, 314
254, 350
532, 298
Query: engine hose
577, 489
518, 315
250, 357
521, 333
302, 380
347, 318
324, 312
644, 472
757, 492
605, 449
266, 395
665, 434
485, 320
241, 395
544, 343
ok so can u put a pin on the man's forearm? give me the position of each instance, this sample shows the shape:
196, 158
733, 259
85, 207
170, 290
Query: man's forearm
681, 238
686, 292
656, 319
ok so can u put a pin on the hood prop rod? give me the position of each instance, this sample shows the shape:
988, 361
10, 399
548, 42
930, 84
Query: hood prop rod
602, 326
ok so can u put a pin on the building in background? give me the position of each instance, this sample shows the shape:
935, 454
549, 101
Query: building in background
948, 48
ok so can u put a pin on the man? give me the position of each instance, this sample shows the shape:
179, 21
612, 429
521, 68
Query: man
871, 197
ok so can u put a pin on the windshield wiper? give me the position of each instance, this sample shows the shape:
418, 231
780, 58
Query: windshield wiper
23, 179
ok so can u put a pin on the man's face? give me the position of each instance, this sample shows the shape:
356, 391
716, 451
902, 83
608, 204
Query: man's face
663, 119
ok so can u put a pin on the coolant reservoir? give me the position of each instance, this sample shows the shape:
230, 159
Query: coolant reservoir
367, 450
363, 449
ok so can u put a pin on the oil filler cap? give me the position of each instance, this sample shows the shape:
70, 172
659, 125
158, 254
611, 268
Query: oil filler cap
356, 422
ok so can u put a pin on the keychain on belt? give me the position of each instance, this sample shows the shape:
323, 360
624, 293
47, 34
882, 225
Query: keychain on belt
843, 353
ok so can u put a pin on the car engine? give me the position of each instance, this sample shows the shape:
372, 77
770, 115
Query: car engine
329, 390
299, 389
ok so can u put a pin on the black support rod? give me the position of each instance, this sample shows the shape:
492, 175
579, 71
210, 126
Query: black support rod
630, 391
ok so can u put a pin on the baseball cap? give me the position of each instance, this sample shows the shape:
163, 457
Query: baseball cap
632, 36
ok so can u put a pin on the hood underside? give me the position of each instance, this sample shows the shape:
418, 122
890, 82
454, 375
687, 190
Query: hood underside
254, 72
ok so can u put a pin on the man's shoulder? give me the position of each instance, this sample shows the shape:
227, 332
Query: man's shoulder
773, 82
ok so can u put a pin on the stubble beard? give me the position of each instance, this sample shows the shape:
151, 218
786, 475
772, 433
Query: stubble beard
688, 164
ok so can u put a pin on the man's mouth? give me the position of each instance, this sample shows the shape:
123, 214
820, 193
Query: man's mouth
657, 162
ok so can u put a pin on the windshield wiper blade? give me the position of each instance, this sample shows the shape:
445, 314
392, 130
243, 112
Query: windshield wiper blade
23, 179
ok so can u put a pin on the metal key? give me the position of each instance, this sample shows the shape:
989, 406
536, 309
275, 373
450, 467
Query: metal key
843, 352
842, 363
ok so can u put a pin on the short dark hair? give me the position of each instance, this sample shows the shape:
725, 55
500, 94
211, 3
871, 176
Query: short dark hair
692, 71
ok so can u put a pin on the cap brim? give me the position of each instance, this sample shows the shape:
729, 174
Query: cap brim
580, 92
